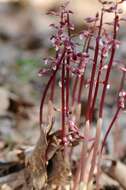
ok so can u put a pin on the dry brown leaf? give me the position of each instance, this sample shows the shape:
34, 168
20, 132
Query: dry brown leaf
36, 163
58, 171
46, 164
116, 170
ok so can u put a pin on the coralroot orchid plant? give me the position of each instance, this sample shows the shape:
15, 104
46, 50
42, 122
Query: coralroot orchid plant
84, 62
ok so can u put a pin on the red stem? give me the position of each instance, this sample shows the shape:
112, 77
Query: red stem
67, 84
63, 103
94, 68
110, 127
48, 85
80, 88
74, 90
116, 114
109, 69
67, 69
82, 77
97, 84
77, 78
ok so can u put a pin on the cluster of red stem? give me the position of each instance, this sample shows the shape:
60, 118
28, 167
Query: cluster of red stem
73, 64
